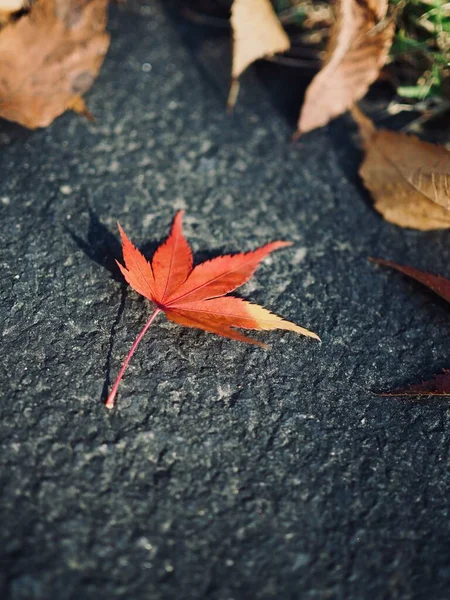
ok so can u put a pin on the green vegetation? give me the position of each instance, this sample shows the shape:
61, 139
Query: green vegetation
421, 48
420, 55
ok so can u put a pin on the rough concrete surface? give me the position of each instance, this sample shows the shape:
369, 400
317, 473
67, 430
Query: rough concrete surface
226, 472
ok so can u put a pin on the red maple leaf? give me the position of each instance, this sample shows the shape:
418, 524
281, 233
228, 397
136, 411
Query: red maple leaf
195, 296
439, 385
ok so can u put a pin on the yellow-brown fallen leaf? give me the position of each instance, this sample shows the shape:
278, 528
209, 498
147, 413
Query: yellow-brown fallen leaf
257, 33
358, 48
49, 58
409, 179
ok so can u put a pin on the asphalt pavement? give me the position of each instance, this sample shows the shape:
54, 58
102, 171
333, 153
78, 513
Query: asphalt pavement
226, 472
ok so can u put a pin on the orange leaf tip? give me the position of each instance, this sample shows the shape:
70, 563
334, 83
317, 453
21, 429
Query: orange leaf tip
266, 320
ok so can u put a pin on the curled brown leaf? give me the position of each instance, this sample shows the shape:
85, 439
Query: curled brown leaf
358, 49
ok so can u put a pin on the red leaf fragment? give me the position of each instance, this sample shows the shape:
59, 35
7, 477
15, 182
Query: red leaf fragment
194, 297
437, 283
439, 385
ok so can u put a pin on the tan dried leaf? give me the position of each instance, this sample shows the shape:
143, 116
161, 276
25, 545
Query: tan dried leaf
8, 8
50, 57
358, 48
408, 178
257, 33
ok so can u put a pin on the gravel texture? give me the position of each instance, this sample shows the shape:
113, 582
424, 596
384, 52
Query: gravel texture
226, 472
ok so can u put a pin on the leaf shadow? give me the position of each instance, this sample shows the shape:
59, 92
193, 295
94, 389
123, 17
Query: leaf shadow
103, 247
286, 87
431, 299
194, 35
12, 132
100, 245
205, 255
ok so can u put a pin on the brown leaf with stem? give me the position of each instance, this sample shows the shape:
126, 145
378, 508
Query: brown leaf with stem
438, 385
257, 33
49, 58
409, 179
359, 45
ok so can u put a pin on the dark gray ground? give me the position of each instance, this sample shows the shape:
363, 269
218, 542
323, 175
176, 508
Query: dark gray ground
226, 472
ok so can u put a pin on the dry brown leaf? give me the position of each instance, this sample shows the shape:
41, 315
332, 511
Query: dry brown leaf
49, 58
378, 7
358, 48
257, 33
8, 8
408, 178
11, 6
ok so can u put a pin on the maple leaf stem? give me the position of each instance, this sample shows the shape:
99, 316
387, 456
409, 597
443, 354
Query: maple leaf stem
110, 402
